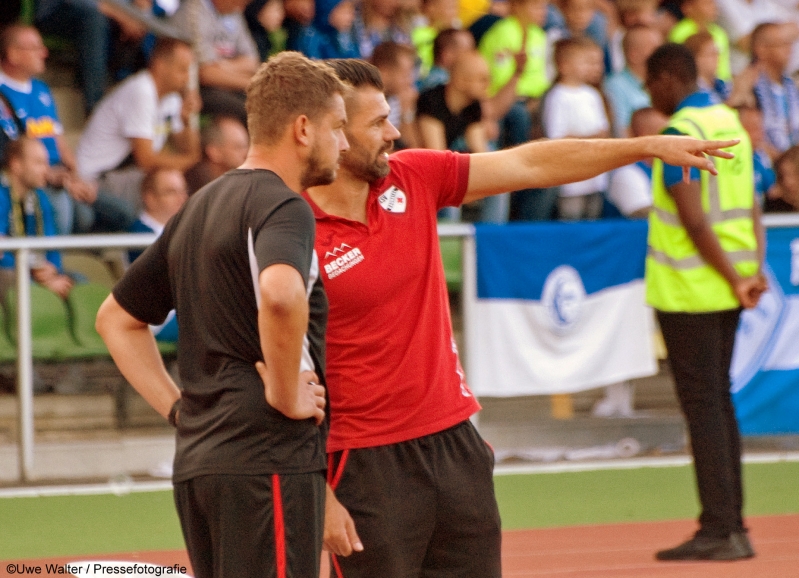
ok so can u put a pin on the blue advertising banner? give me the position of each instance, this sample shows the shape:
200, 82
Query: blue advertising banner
765, 366
560, 308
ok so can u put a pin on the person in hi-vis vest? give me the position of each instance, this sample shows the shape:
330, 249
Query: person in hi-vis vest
703, 266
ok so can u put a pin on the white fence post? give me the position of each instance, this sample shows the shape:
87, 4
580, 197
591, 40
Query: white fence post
24, 366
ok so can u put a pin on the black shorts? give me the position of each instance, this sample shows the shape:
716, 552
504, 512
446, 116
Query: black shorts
422, 508
247, 526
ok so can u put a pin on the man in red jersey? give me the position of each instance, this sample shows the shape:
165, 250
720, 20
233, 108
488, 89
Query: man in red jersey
410, 480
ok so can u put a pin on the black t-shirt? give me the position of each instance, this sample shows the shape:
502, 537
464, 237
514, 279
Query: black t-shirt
205, 265
432, 103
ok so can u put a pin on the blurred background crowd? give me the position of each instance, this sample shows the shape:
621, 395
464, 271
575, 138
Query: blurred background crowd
163, 89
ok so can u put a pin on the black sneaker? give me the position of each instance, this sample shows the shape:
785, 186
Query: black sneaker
735, 547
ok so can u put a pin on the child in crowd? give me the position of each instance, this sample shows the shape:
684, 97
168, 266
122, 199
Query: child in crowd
396, 63
522, 29
701, 15
498, 10
298, 22
625, 89
595, 75
379, 21
448, 45
706, 54
630, 189
515, 48
574, 108
437, 15
631, 14
334, 30
752, 121
784, 197
581, 18
265, 21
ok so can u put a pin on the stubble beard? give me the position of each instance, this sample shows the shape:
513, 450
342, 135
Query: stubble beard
371, 171
315, 174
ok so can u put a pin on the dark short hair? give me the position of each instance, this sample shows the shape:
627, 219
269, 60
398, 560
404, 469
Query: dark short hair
674, 59
356, 73
165, 47
387, 54
444, 40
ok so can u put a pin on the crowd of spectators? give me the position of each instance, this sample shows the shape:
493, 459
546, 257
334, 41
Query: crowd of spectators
468, 75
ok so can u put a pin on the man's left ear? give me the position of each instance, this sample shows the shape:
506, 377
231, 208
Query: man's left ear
303, 130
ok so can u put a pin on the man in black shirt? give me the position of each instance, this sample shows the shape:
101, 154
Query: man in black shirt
449, 115
237, 264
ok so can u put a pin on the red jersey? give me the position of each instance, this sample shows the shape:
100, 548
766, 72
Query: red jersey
393, 372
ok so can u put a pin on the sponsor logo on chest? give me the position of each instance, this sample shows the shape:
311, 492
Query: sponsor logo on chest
341, 259
393, 200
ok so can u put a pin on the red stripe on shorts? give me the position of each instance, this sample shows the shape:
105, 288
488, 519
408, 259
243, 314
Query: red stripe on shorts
339, 470
336, 567
280, 528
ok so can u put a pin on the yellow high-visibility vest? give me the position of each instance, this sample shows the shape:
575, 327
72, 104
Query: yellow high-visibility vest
677, 278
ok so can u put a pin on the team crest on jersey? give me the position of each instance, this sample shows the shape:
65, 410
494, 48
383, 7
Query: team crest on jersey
393, 200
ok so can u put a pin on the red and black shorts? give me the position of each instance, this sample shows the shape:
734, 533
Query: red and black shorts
239, 526
424, 507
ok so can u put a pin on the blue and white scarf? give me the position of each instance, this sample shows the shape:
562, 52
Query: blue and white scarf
780, 106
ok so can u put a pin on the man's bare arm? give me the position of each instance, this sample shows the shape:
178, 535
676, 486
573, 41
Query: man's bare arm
549, 163
133, 348
147, 159
282, 324
231, 74
187, 141
432, 133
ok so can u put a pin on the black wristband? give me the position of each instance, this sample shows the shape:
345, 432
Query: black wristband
173, 413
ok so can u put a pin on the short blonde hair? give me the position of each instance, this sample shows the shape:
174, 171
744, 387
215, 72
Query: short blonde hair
286, 86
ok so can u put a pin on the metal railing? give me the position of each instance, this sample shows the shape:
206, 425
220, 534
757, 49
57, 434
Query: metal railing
23, 246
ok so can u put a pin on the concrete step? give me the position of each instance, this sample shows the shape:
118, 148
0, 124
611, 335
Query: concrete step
81, 416
104, 455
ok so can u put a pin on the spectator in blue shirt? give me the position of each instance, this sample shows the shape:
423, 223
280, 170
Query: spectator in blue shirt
765, 178
163, 195
625, 89
26, 212
77, 204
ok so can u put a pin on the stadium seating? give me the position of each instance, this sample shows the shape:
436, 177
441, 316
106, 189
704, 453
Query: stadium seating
84, 301
51, 334
8, 352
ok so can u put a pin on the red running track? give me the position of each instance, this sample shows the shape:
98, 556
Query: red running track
606, 551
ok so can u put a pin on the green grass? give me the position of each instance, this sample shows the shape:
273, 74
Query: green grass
81, 525
645, 494
86, 525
